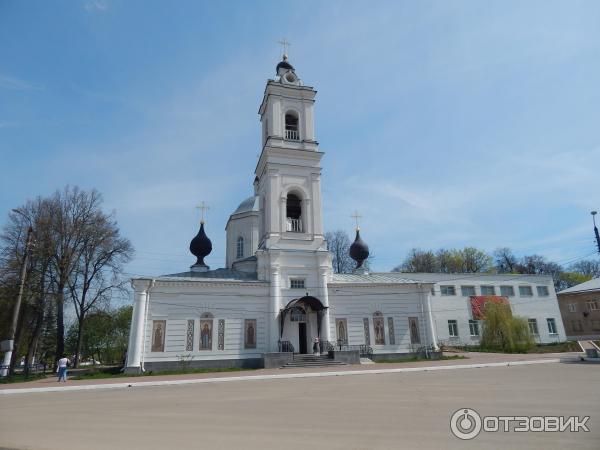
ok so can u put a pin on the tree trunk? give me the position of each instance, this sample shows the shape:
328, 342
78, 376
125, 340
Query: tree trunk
60, 325
79, 340
37, 331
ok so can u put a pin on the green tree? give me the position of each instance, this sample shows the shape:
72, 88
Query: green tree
504, 332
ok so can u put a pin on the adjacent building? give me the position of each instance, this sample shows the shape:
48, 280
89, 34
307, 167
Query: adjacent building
580, 310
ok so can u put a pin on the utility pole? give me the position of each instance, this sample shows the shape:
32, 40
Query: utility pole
8, 345
596, 230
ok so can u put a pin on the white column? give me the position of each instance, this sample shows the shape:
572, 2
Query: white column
275, 306
324, 294
136, 335
430, 323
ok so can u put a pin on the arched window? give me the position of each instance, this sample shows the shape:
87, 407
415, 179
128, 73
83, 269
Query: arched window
291, 127
294, 213
239, 248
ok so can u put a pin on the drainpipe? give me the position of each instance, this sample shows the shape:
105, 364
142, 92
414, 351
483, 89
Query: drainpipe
150, 286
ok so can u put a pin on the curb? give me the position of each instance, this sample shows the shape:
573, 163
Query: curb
89, 387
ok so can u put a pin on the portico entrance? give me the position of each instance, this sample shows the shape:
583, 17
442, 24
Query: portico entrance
300, 322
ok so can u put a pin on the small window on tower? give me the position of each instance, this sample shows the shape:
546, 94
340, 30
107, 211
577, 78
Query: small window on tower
291, 127
239, 250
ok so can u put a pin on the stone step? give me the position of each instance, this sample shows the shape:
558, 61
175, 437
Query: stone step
313, 363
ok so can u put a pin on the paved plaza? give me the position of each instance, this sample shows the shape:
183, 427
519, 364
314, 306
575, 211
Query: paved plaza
375, 411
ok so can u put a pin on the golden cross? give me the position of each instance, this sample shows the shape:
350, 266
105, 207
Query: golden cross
202, 207
356, 216
285, 44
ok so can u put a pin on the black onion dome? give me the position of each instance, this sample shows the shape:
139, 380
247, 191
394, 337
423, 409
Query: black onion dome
200, 246
284, 65
359, 250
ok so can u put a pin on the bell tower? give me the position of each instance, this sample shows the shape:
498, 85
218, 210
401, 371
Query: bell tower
289, 170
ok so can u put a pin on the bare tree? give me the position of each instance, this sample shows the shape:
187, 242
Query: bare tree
505, 261
586, 267
339, 243
100, 259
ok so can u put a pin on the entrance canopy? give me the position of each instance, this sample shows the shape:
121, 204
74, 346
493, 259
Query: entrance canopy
314, 303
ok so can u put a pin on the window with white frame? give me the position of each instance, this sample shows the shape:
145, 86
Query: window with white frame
239, 248
507, 291
488, 290
452, 328
474, 327
525, 291
533, 328
551, 326
297, 283
592, 305
447, 290
543, 291
467, 291
572, 307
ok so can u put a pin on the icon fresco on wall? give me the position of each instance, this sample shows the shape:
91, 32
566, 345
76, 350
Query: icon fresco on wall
413, 323
206, 326
379, 328
250, 333
341, 326
158, 335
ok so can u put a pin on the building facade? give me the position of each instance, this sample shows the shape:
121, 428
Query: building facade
580, 310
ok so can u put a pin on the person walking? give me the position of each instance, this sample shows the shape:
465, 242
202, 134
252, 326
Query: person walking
61, 368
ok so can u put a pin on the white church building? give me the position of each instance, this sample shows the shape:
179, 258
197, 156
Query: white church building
278, 295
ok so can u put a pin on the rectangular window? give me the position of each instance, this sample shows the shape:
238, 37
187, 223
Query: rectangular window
413, 324
572, 307
447, 290
525, 291
551, 326
507, 291
297, 283
543, 291
249, 333
474, 327
488, 290
533, 328
452, 328
467, 291
592, 305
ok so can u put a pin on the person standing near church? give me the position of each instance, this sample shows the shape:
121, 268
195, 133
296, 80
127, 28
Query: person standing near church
61, 368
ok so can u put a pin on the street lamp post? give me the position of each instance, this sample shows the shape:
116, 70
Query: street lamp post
596, 230
8, 345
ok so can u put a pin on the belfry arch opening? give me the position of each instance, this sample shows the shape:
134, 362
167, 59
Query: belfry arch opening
294, 213
291, 126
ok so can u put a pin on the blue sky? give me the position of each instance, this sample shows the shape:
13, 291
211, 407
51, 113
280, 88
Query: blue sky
445, 123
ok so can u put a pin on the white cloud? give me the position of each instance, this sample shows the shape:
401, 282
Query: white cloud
96, 5
17, 84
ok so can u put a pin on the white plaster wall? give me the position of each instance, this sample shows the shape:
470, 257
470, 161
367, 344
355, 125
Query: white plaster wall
400, 302
458, 307
178, 302
245, 225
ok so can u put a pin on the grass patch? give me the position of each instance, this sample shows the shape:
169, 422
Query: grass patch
99, 374
20, 378
555, 347
419, 358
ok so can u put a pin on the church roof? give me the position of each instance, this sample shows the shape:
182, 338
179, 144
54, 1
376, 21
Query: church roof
216, 275
374, 278
248, 205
